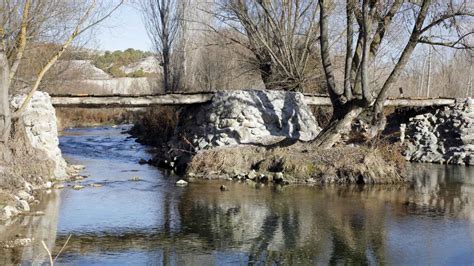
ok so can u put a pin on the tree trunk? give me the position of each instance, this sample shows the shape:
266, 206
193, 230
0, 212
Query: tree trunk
340, 124
5, 115
428, 83
166, 70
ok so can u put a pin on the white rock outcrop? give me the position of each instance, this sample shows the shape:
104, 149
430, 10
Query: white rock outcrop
249, 117
80, 69
148, 65
39, 119
445, 136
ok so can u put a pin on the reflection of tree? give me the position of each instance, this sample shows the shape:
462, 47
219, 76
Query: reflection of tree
341, 224
300, 225
289, 225
210, 222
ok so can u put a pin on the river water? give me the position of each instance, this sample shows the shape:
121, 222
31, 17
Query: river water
152, 221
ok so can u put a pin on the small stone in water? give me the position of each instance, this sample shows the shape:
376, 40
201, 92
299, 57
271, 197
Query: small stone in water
78, 167
224, 188
77, 187
78, 177
58, 186
181, 182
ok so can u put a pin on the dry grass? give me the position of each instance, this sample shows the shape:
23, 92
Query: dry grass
19, 154
299, 163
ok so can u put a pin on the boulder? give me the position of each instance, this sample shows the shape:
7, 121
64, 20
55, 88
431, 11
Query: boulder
39, 119
248, 117
443, 136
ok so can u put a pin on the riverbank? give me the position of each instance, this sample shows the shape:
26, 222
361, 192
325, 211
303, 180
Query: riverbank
300, 164
268, 134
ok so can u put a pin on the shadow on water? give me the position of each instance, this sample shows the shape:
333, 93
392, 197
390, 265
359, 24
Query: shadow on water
153, 221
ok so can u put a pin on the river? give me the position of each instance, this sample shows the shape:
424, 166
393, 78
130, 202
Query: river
152, 221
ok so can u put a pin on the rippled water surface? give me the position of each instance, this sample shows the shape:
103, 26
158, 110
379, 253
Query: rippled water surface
152, 221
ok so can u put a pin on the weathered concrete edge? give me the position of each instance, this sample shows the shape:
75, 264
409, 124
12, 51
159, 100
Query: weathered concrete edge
184, 99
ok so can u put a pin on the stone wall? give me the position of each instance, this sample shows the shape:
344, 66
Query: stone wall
248, 117
39, 120
443, 136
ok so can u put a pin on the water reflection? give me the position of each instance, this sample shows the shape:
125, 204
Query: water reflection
36, 227
155, 222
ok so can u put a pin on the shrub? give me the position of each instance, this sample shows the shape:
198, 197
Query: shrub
156, 126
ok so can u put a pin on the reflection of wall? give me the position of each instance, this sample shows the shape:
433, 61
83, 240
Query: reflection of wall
444, 189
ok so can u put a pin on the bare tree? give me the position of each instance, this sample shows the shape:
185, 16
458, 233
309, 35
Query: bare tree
166, 28
281, 35
26, 21
374, 18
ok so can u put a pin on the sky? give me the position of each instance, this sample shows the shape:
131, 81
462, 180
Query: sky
124, 29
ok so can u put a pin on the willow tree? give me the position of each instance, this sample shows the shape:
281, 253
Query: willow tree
281, 35
25, 22
444, 23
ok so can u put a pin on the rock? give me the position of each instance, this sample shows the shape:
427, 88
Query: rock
77, 187
252, 175
78, 178
47, 185
247, 117
39, 120
135, 178
7, 212
78, 167
23, 195
443, 136
181, 182
278, 177
58, 186
263, 178
28, 187
142, 161
20, 242
224, 188
23, 205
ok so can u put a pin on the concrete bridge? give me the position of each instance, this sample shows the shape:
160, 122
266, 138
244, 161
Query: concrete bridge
134, 101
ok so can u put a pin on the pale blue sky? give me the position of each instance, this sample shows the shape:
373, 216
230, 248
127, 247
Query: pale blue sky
124, 29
